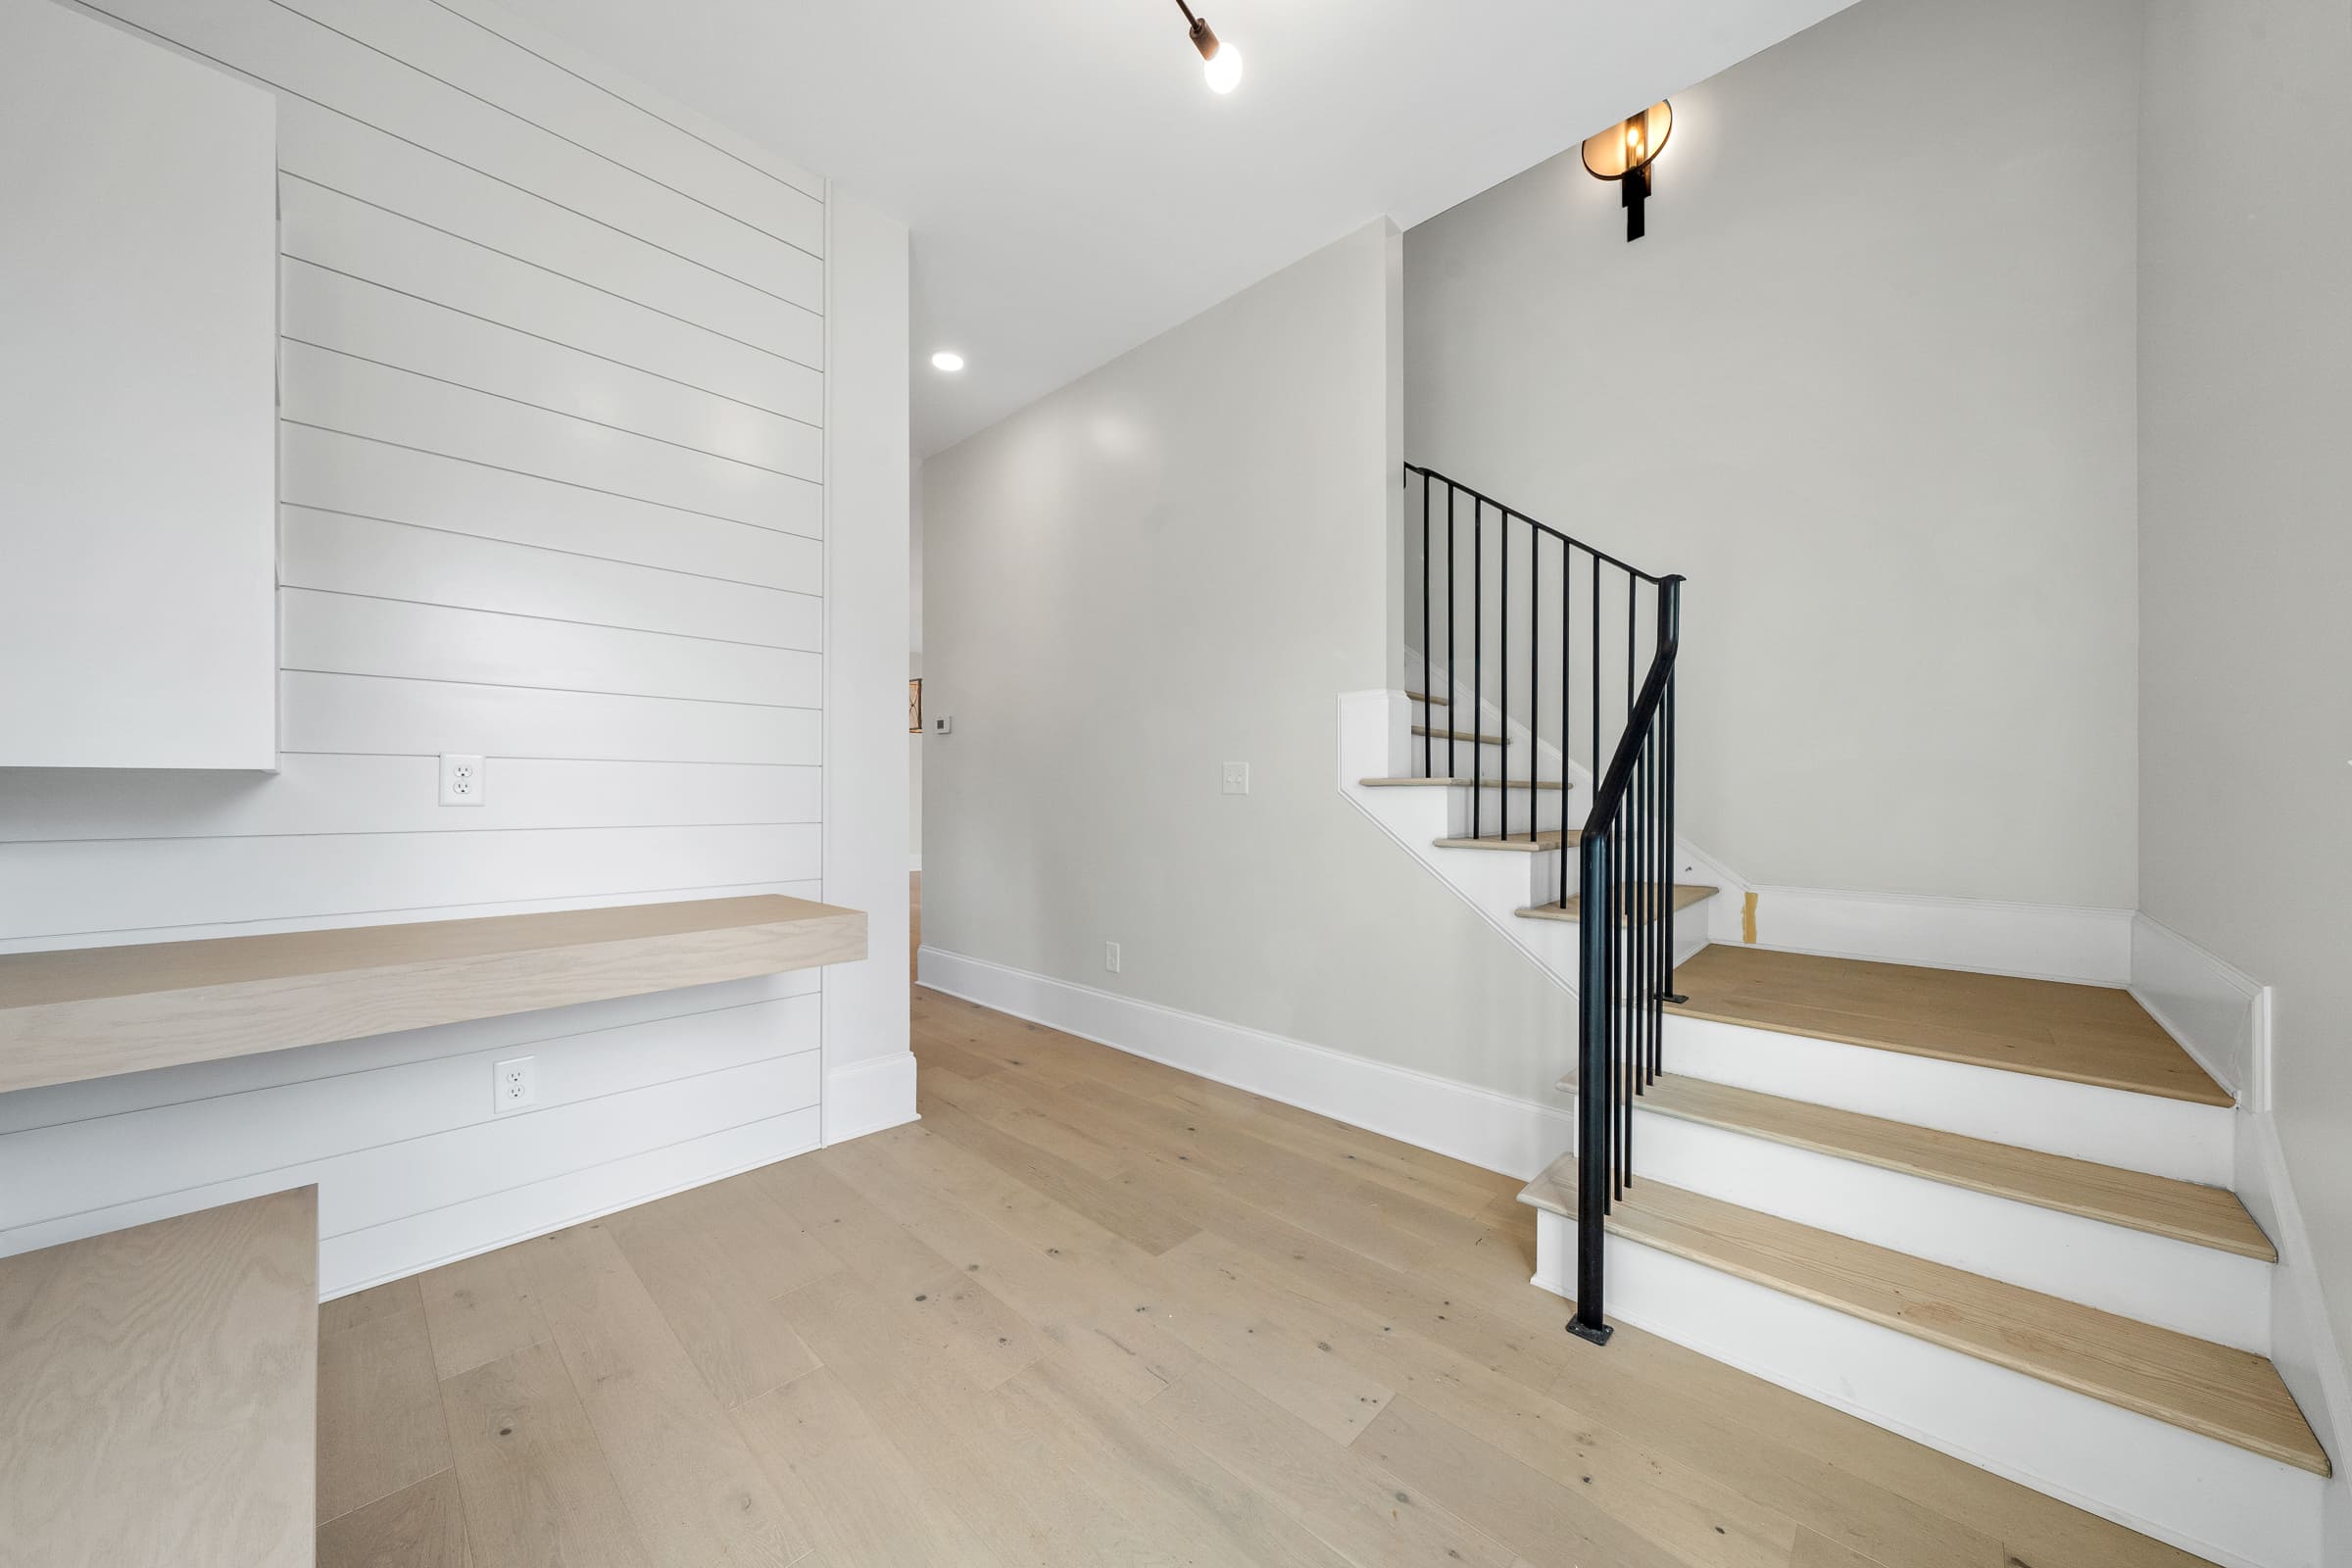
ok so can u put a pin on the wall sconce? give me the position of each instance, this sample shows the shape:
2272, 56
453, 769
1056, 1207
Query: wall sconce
1623, 153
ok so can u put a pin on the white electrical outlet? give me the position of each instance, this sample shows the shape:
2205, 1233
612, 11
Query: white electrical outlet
943, 725
514, 1084
1110, 956
462, 780
1237, 779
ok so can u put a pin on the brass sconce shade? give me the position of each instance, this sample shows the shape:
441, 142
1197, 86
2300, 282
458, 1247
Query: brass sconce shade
1624, 152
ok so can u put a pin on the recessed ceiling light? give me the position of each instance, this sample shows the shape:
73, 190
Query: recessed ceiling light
946, 360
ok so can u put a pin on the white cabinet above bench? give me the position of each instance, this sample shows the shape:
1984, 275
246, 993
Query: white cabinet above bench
138, 454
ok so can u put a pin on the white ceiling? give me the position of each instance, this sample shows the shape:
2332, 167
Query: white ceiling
1073, 189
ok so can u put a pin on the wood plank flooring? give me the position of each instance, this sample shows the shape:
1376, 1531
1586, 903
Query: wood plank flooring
2087, 1034
1093, 1311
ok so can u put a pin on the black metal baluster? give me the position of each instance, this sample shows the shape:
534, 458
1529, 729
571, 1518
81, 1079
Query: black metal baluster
1478, 654
1535, 682
1453, 600
1591, 1093
1429, 685
1502, 617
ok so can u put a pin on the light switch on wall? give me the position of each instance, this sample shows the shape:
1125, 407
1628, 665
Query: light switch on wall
1237, 779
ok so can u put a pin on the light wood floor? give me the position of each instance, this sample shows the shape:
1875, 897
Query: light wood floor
1093, 1311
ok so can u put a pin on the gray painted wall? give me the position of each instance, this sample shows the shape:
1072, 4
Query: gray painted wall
1176, 561
2245, 395
1869, 383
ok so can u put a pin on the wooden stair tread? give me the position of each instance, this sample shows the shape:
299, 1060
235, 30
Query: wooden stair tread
1423, 697
2229, 1395
2086, 1033
159, 1389
1459, 783
1457, 735
2204, 1216
1549, 839
1686, 894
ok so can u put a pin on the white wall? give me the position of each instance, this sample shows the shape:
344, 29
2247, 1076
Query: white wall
1868, 383
2245, 392
552, 435
870, 1074
1177, 561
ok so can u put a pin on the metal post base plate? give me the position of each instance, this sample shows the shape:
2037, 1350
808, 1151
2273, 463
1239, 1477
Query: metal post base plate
1596, 1333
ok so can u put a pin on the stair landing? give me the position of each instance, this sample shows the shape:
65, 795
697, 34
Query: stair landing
2086, 1033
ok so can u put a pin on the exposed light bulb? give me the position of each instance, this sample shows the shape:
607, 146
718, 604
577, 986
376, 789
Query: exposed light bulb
1223, 68
946, 360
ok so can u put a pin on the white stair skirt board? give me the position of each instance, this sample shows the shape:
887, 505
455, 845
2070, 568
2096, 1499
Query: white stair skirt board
2222, 1016
865, 1096
2173, 1138
2046, 942
2039, 941
2205, 1496
2213, 1295
1481, 1127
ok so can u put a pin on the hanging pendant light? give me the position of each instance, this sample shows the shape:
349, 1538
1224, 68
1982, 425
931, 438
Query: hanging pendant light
1220, 62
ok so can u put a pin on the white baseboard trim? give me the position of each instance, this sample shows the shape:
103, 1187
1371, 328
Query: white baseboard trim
1494, 1131
915, 861
865, 1096
2038, 940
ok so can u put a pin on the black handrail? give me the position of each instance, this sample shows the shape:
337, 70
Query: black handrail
1625, 881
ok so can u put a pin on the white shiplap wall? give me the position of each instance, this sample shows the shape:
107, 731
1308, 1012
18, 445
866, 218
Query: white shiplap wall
553, 388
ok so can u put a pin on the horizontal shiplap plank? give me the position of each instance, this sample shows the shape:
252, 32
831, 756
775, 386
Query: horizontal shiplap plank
419, 718
296, 55
346, 794
475, 60
52, 1172
91, 1100
328, 470
327, 229
329, 309
416, 1242
345, 635
344, 553
574, 1156
494, 17
336, 151
359, 397
84, 886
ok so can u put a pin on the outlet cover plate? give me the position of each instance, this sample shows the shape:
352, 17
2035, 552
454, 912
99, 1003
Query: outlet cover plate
514, 1084
462, 779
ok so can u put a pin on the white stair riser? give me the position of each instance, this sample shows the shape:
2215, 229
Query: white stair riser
2213, 1295
2203, 1496
2108, 1126
1458, 824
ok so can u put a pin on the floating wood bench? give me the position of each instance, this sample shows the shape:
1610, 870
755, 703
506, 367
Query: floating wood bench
91, 1013
159, 1392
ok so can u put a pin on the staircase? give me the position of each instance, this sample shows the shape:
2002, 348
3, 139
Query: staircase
1991, 1213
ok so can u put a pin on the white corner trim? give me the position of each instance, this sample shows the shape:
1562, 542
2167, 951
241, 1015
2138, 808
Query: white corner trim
2219, 1013
915, 861
1494, 1131
2038, 940
865, 1096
